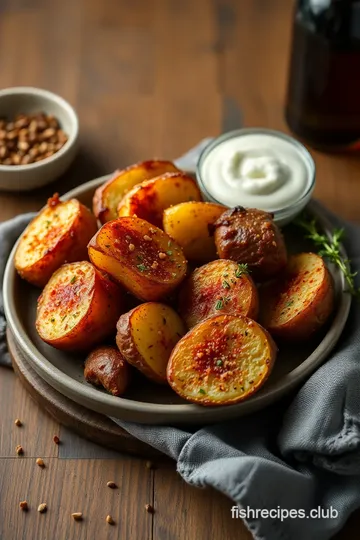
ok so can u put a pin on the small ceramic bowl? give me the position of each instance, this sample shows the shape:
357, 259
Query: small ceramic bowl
30, 100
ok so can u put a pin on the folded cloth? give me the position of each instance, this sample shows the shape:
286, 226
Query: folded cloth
297, 457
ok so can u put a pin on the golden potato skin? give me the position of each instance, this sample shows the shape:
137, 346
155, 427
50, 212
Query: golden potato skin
218, 287
149, 199
300, 302
250, 236
105, 366
144, 259
78, 308
146, 336
107, 197
58, 234
188, 223
221, 361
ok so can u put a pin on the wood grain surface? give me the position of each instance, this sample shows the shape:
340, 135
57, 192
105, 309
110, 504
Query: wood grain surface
148, 78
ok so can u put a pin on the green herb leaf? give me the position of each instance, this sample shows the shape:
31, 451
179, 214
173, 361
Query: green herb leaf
142, 267
73, 279
329, 248
169, 253
289, 303
202, 391
219, 362
226, 284
219, 304
241, 269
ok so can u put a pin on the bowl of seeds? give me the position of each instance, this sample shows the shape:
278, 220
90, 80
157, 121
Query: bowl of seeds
38, 137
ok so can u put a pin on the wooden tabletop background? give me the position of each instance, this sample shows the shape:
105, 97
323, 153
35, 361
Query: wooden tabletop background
148, 78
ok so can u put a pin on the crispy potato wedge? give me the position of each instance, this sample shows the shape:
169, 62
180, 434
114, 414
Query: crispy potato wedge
147, 335
301, 301
108, 196
105, 366
250, 236
58, 234
188, 224
144, 259
221, 361
78, 308
149, 199
216, 288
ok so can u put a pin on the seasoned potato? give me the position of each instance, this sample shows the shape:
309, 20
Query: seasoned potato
149, 199
250, 236
78, 308
105, 366
221, 361
301, 301
218, 287
188, 223
147, 335
139, 256
58, 234
108, 196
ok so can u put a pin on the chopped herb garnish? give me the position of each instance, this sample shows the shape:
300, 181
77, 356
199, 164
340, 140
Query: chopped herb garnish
63, 318
202, 391
73, 279
219, 362
219, 304
173, 274
225, 275
139, 257
226, 284
142, 267
290, 303
241, 269
169, 253
169, 243
223, 300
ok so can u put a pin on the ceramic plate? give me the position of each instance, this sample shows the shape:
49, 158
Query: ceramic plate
146, 402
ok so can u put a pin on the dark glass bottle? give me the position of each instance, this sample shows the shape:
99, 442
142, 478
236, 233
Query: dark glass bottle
323, 98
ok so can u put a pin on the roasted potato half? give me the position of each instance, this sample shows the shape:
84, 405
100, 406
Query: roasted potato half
216, 288
58, 234
188, 224
221, 361
78, 308
147, 335
105, 366
250, 236
301, 301
144, 259
108, 196
149, 199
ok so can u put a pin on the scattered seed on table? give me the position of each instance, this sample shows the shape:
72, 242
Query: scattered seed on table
110, 520
42, 508
149, 508
19, 450
111, 485
77, 516
56, 439
40, 462
24, 506
18, 422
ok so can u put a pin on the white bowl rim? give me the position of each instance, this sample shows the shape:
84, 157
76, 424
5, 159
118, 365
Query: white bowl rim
47, 94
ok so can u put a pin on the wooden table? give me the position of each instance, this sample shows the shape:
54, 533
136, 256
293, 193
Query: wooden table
148, 78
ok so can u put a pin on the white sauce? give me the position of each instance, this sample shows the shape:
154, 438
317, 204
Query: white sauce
256, 171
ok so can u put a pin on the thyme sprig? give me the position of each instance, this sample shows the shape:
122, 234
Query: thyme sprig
330, 248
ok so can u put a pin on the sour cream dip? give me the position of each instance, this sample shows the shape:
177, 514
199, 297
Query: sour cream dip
256, 168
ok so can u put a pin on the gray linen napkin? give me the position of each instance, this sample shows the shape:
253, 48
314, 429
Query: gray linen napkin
300, 454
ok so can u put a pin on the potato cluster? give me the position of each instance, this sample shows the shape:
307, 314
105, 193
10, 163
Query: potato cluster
193, 293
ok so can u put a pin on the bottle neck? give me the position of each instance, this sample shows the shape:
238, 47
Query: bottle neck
336, 20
